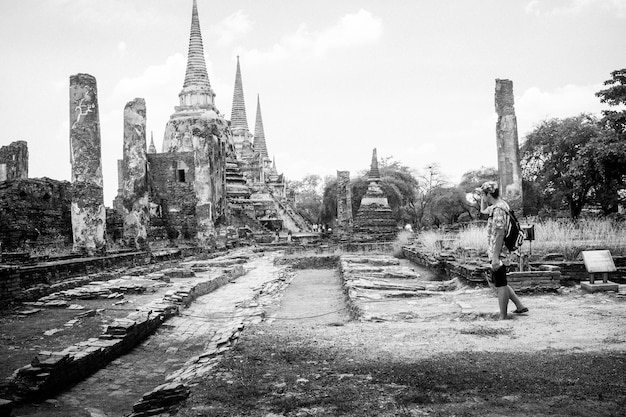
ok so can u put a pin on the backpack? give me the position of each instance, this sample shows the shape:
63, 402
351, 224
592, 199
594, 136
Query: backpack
514, 236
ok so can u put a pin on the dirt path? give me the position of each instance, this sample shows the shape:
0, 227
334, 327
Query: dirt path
438, 354
313, 298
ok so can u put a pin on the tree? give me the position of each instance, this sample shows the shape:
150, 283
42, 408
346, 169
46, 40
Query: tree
558, 156
472, 180
308, 197
448, 204
429, 182
615, 95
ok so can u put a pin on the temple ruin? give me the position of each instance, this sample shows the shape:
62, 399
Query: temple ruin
509, 168
14, 161
374, 220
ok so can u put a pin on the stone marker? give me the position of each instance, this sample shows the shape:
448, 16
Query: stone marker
509, 168
88, 211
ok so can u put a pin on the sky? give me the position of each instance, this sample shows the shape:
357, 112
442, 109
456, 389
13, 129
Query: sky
414, 79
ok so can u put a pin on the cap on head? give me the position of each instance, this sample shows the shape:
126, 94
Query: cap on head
489, 187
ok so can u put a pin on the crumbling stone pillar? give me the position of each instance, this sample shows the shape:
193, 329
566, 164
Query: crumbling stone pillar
14, 161
209, 135
509, 168
344, 205
135, 176
88, 211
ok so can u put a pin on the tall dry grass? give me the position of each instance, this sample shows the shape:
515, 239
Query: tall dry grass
566, 237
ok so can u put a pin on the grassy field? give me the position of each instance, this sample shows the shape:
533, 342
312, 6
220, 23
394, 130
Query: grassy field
282, 375
566, 237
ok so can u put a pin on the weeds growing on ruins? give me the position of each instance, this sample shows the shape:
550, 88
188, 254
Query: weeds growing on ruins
563, 236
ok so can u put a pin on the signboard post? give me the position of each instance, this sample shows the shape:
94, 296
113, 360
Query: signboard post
599, 262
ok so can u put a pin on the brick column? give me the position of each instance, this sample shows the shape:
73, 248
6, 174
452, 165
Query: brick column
135, 177
344, 205
509, 169
88, 211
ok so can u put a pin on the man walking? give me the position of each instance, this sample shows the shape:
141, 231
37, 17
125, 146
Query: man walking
497, 224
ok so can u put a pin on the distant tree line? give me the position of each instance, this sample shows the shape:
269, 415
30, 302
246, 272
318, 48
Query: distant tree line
567, 165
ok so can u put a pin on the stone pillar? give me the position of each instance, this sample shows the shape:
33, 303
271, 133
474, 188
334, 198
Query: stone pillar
344, 205
135, 176
509, 168
88, 211
209, 141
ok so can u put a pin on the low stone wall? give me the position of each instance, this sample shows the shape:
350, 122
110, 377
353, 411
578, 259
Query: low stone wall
537, 280
575, 271
29, 282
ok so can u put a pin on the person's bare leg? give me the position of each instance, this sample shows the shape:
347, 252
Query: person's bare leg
513, 297
503, 300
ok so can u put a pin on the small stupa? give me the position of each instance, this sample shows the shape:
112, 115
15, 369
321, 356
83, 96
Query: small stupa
374, 220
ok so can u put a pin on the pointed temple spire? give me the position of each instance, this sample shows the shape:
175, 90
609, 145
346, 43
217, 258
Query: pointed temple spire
238, 118
374, 172
196, 73
197, 95
259, 136
152, 148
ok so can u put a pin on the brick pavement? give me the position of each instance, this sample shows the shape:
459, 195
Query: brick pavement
183, 347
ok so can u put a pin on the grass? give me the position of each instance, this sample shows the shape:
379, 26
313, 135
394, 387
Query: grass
268, 374
566, 237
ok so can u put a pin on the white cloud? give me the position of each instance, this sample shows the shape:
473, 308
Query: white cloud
231, 28
571, 7
355, 29
535, 105
121, 48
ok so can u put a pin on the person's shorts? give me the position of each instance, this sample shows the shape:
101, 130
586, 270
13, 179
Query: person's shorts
499, 276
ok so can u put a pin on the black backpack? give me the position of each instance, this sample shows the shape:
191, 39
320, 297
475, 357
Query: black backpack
514, 236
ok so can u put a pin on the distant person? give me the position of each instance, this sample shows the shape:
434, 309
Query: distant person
277, 236
499, 218
289, 236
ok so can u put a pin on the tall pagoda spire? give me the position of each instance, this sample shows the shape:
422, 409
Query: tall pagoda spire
259, 135
152, 148
238, 118
196, 73
197, 94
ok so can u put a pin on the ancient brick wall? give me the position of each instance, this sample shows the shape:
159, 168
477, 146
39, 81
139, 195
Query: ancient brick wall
14, 161
35, 213
172, 197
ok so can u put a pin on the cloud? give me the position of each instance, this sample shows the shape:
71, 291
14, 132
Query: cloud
121, 48
231, 28
353, 29
535, 105
572, 7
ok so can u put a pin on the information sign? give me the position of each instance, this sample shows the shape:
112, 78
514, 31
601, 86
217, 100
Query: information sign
598, 261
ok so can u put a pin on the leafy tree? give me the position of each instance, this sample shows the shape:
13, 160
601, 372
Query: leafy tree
557, 156
472, 180
615, 95
308, 196
448, 204
329, 202
429, 182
